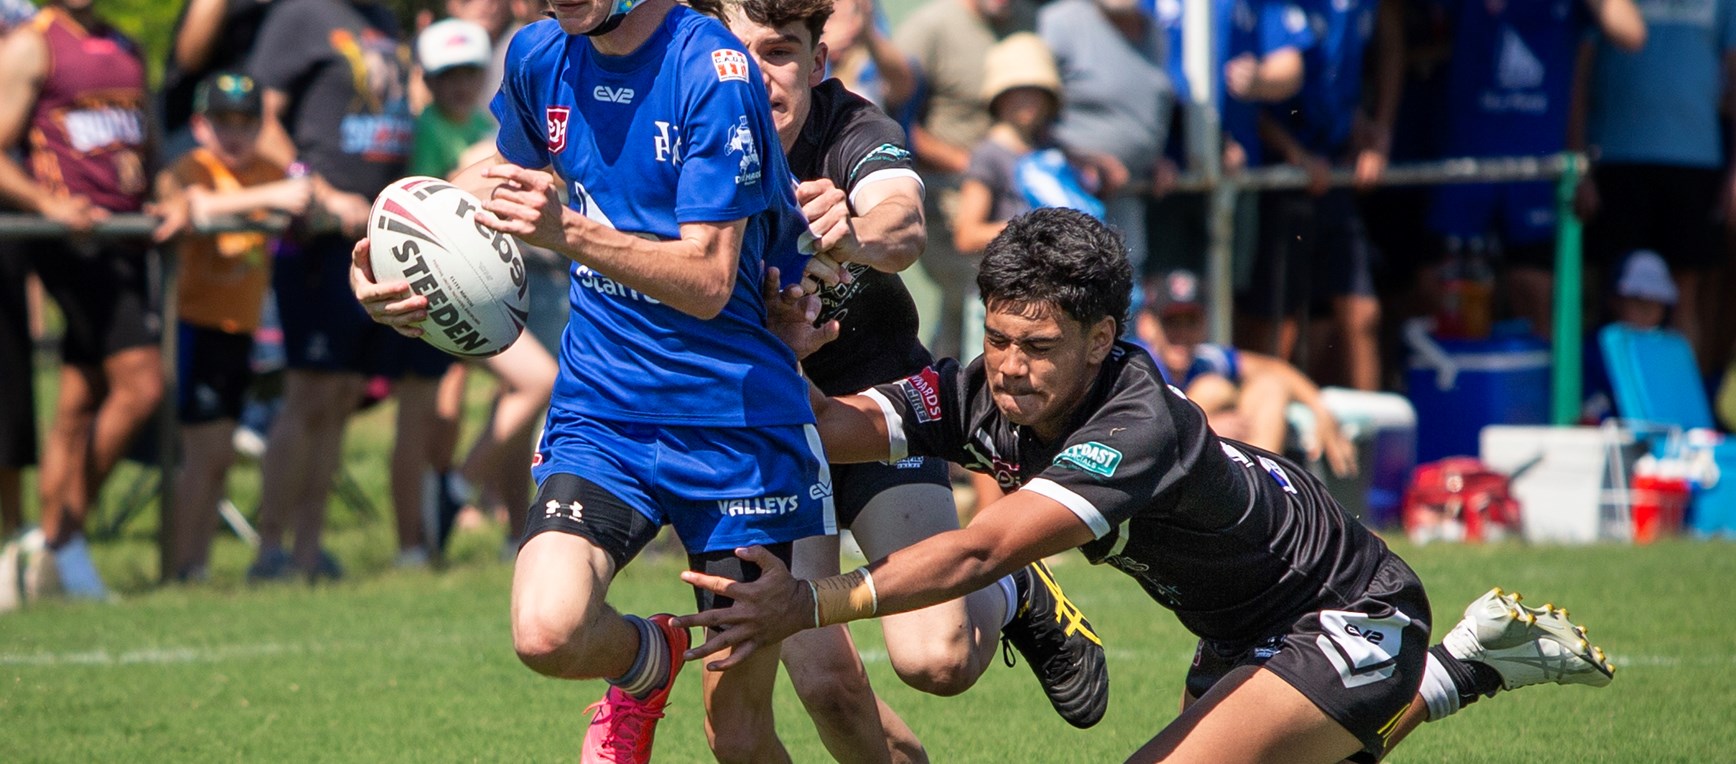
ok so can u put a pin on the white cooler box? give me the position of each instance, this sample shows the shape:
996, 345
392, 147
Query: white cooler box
1571, 482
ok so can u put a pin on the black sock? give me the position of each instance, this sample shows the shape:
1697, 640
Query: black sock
1473, 680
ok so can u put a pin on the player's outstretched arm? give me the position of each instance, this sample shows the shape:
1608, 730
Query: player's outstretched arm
1019, 529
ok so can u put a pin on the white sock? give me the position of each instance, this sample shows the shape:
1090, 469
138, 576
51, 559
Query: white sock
1438, 691
1011, 591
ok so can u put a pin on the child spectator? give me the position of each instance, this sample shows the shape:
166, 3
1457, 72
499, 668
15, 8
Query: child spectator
454, 55
1018, 165
1644, 295
223, 280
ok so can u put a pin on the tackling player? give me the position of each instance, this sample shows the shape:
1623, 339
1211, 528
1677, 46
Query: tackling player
674, 403
1313, 635
862, 195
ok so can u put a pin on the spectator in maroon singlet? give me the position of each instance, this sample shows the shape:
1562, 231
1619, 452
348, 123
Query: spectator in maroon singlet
76, 88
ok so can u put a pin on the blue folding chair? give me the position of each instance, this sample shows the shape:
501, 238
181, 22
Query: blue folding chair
1656, 379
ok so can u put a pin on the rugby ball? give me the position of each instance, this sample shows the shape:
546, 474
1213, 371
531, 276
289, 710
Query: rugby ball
424, 230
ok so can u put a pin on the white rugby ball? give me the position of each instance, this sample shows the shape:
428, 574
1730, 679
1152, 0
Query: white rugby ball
424, 230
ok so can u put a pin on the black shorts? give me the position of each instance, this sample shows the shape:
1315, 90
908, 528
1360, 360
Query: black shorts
1312, 249
17, 370
324, 327
104, 293
1360, 662
410, 357
857, 484
213, 373
567, 503
1661, 207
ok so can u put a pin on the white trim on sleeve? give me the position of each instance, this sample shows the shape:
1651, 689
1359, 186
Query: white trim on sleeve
880, 175
896, 442
1084, 509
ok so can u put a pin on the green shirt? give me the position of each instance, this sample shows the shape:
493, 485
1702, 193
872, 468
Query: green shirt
439, 143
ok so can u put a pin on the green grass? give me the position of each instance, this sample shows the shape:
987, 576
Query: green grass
419, 667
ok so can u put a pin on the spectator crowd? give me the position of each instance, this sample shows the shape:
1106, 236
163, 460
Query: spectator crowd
306, 109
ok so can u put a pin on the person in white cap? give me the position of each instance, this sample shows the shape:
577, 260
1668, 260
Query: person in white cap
1646, 292
1644, 295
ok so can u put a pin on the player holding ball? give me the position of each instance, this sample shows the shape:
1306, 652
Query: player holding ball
674, 403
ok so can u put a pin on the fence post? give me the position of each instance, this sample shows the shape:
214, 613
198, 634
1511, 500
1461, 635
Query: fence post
1565, 392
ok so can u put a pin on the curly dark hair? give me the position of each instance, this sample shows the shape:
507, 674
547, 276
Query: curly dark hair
773, 13
1060, 258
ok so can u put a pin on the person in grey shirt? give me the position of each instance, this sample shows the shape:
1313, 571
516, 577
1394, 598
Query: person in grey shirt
1118, 101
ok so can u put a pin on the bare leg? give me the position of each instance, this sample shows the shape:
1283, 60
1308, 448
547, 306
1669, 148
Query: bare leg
738, 711
65, 452
134, 380
207, 454
527, 373
561, 625
829, 677
418, 426
301, 450
11, 501
1250, 716
1531, 296
1358, 318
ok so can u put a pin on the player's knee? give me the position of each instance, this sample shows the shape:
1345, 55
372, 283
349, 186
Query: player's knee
743, 740
543, 645
937, 667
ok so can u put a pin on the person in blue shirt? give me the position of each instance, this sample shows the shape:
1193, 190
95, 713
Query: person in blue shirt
1314, 246
674, 404
1508, 92
1662, 179
1244, 395
1258, 59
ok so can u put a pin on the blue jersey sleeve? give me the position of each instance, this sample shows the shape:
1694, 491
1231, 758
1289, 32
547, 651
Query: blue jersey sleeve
523, 136
725, 138
1283, 24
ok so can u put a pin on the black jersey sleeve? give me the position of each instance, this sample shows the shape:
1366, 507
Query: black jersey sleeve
862, 144
925, 412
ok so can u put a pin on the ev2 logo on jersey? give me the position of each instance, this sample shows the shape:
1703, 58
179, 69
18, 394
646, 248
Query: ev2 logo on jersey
606, 94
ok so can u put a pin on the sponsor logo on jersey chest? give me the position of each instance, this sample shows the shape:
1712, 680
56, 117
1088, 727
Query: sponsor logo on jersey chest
1091, 456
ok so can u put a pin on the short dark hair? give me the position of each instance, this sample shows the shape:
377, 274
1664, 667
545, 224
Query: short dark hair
1062, 258
776, 13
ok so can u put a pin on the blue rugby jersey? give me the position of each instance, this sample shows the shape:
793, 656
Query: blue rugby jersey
678, 131
1320, 116
1259, 27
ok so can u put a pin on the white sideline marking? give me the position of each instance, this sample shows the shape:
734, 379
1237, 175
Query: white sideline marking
157, 656
149, 656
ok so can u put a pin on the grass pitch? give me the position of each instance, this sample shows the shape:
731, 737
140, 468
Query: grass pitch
418, 666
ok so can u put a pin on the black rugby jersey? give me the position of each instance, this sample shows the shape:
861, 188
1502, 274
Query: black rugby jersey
848, 140
1237, 541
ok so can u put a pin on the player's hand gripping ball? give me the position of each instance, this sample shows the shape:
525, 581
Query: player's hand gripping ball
424, 230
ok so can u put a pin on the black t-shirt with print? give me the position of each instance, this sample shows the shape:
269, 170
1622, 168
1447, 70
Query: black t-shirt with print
851, 142
346, 77
1237, 541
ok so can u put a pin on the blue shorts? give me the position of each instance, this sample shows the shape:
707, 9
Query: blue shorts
721, 487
